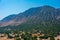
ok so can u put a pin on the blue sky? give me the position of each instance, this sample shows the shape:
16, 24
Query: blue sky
8, 7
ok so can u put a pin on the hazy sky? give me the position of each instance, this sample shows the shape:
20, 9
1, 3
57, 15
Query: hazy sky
8, 7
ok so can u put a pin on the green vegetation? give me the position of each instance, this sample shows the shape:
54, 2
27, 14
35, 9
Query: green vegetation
50, 30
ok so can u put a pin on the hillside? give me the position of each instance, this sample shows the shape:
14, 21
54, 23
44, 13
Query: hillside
44, 19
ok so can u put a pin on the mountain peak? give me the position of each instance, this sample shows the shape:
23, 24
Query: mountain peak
47, 6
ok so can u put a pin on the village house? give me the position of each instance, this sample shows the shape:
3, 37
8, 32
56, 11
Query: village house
57, 38
5, 37
37, 34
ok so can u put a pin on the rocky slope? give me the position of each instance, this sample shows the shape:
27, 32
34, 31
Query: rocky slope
43, 15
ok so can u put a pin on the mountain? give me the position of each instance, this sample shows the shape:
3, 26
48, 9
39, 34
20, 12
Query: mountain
45, 18
43, 13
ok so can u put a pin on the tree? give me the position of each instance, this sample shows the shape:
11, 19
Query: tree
52, 38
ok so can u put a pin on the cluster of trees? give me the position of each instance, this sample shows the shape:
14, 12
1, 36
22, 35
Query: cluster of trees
28, 36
